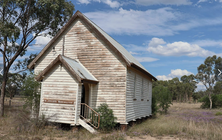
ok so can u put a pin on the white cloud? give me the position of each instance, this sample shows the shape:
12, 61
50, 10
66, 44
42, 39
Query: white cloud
202, 1
210, 1
134, 48
208, 43
84, 1
160, 47
174, 73
159, 22
146, 59
112, 4
200, 86
40, 42
164, 2
134, 22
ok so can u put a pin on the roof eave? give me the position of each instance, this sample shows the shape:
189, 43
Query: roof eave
89, 81
143, 71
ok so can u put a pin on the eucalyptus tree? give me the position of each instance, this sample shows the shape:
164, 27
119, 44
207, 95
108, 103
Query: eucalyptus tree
21, 22
218, 87
208, 74
189, 85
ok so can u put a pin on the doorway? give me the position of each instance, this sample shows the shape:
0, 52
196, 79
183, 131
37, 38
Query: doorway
84, 99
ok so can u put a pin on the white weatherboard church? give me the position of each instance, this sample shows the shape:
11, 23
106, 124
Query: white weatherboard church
82, 67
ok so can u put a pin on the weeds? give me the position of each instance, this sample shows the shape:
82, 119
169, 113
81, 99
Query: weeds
218, 113
186, 121
114, 136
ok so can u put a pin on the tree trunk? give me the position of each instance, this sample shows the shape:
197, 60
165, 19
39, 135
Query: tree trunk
210, 101
2, 97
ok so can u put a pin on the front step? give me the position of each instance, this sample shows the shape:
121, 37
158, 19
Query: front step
86, 126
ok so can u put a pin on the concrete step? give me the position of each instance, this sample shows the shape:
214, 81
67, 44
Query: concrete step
86, 126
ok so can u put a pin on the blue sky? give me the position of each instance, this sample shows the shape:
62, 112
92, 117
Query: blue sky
170, 38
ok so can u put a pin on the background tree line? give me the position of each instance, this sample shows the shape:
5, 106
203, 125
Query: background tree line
185, 88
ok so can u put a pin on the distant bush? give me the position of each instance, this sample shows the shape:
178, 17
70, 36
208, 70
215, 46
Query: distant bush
154, 106
196, 96
107, 119
163, 96
218, 113
216, 101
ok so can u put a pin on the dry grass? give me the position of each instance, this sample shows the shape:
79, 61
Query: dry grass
17, 125
184, 121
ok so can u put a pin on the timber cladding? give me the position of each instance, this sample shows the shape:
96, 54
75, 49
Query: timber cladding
123, 85
58, 95
103, 64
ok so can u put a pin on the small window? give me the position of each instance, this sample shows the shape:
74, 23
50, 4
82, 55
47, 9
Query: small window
134, 94
148, 84
142, 90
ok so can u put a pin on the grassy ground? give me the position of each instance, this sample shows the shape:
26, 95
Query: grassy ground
184, 121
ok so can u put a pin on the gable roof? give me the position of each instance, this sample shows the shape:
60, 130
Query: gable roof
114, 45
73, 66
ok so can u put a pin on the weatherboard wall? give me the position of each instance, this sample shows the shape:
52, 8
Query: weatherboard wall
138, 95
104, 64
58, 97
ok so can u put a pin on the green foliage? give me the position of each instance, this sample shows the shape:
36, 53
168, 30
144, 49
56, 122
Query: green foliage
21, 22
31, 93
216, 101
181, 89
218, 87
208, 75
154, 105
196, 96
107, 119
163, 96
218, 113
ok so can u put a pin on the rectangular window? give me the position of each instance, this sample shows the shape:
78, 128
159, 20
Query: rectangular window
142, 90
134, 95
148, 84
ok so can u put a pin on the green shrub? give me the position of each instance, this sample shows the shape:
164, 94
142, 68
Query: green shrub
154, 106
163, 96
107, 119
196, 96
218, 113
31, 92
216, 101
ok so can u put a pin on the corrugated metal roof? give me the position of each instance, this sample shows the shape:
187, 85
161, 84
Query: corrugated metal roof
118, 46
79, 69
